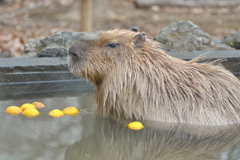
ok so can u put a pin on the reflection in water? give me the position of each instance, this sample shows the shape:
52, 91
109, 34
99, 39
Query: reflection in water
42, 137
94, 137
112, 140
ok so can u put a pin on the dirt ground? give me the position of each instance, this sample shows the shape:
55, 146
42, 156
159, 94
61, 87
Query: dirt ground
26, 20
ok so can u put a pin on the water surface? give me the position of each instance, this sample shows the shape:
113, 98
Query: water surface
92, 136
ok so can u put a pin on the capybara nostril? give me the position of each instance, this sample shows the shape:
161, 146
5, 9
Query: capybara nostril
73, 55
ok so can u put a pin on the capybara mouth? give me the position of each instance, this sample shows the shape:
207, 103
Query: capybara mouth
74, 67
75, 60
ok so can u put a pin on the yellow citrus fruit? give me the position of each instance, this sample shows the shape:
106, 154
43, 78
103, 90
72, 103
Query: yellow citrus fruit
39, 105
14, 110
30, 112
71, 111
56, 113
27, 105
135, 125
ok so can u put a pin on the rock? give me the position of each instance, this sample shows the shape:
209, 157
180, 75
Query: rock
186, 36
220, 45
29, 55
52, 46
7, 1
34, 46
187, 3
6, 55
182, 36
61, 38
232, 40
53, 52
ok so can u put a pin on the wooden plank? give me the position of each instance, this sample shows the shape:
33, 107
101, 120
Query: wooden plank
188, 3
86, 15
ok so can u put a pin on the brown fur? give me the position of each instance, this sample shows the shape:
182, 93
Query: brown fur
140, 81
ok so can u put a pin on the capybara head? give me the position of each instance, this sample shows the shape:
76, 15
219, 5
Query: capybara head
136, 79
94, 55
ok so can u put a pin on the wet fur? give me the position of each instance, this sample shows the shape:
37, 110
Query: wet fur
146, 83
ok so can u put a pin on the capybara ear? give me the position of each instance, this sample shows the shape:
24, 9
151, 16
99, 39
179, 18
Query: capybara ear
134, 29
139, 39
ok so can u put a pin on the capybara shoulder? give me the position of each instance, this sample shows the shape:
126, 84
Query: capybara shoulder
135, 78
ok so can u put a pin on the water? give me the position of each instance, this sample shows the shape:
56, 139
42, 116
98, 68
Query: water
43, 137
92, 136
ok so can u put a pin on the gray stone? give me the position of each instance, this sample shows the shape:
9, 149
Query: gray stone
233, 39
7, 1
6, 55
188, 3
12, 65
29, 55
61, 38
50, 76
38, 76
34, 46
53, 52
186, 36
52, 46
219, 44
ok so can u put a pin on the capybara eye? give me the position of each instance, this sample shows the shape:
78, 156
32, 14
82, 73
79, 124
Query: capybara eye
113, 45
134, 29
73, 55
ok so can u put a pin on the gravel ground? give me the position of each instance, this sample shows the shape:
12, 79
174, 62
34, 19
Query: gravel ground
25, 20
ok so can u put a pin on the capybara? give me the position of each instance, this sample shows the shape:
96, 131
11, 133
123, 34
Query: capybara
136, 78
